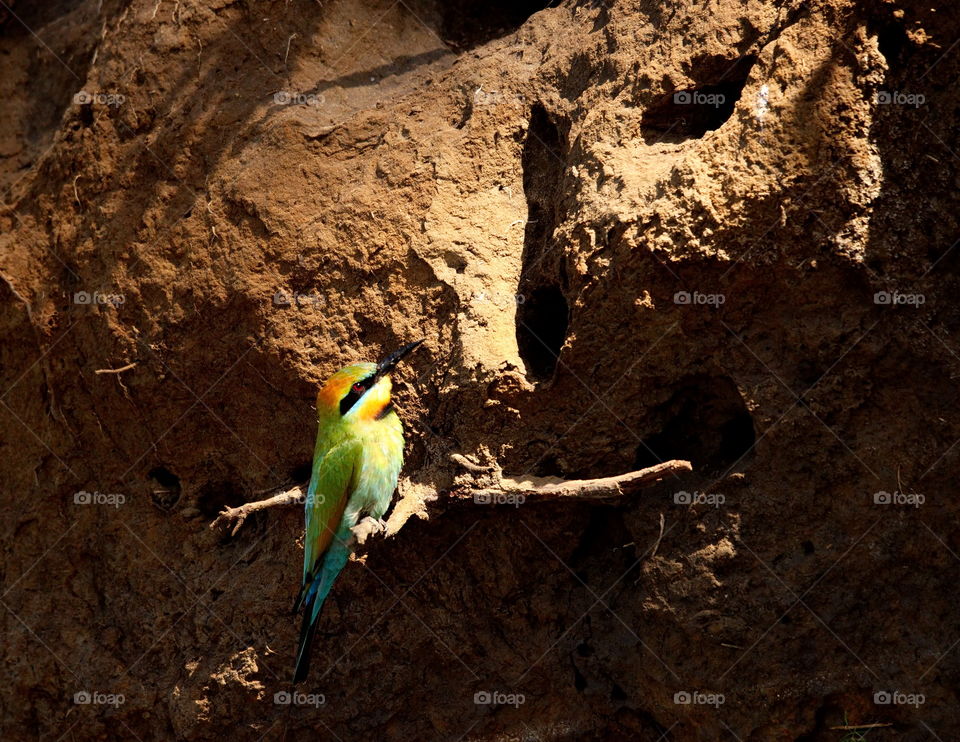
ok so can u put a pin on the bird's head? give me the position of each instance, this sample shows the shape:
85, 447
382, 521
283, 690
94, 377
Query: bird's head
361, 391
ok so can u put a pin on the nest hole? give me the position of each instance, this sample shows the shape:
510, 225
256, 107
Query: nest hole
705, 422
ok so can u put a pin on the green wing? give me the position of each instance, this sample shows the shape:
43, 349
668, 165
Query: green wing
334, 478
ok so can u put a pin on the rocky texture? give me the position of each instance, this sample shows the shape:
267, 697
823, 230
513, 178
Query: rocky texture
248, 195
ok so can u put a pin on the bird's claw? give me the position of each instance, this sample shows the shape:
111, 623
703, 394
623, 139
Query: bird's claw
366, 527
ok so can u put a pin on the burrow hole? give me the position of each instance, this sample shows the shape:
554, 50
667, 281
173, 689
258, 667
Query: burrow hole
892, 39
691, 112
542, 330
214, 497
165, 491
543, 315
464, 25
705, 422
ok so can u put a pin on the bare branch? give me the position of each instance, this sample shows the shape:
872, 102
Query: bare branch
550, 489
236, 516
656, 545
533, 489
116, 370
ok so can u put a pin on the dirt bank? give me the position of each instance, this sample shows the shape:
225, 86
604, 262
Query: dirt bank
629, 232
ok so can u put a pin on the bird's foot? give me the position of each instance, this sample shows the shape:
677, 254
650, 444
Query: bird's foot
366, 527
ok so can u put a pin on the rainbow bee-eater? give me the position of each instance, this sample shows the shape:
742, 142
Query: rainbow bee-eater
356, 464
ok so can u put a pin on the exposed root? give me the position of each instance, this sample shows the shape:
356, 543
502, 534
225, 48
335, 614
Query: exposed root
236, 516
116, 370
497, 490
469, 465
511, 490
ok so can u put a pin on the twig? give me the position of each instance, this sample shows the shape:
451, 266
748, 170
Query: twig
550, 489
120, 370
236, 516
875, 725
656, 545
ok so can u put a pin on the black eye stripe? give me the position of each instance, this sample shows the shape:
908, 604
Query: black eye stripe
351, 397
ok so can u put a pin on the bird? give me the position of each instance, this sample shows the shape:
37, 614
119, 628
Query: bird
356, 465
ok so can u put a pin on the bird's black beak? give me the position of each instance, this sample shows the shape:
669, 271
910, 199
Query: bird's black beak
387, 364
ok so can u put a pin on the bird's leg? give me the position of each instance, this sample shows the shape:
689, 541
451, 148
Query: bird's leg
236, 516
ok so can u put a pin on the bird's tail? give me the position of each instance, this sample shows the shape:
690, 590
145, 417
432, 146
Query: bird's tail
307, 629
315, 593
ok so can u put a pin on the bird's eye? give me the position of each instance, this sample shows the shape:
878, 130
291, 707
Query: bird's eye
358, 388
